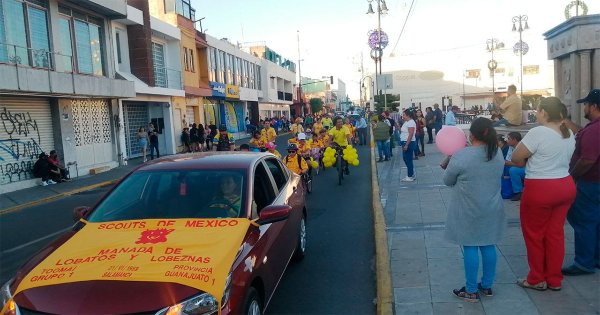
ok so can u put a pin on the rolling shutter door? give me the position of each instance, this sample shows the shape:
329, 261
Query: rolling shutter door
25, 131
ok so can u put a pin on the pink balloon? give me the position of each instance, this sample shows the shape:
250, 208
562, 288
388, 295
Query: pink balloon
450, 140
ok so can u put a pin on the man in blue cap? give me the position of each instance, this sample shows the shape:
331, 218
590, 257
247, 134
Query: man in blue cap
584, 215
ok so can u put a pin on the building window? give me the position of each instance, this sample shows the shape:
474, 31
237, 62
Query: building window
160, 72
188, 59
245, 73
258, 81
182, 7
221, 55
88, 44
24, 33
238, 71
212, 65
118, 40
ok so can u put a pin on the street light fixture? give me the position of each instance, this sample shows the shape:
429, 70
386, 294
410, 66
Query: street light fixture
380, 37
491, 45
362, 85
521, 47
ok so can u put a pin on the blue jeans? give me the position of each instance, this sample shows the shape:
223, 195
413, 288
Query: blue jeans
383, 147
488, 256
517, 176
584, 217
407, 156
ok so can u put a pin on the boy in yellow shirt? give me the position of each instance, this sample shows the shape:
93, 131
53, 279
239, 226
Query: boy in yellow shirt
294, 161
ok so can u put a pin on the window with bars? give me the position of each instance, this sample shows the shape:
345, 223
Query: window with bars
160, 72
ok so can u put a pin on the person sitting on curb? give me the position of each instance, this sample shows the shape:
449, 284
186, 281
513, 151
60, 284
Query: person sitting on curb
517, 174
57, 171
41, 169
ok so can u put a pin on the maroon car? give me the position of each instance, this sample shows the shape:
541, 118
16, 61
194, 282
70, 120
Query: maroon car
256, 186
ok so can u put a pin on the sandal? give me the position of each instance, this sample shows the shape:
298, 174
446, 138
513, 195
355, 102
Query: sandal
468, 297
542, 286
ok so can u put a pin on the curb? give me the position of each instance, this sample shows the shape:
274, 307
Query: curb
57, 196
385, 299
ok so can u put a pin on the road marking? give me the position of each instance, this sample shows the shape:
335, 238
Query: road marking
14, 249
58, 196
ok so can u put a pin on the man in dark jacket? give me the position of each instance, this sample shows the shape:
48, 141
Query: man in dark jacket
381, 136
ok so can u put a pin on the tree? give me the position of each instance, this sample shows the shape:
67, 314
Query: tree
316, 104
392, 102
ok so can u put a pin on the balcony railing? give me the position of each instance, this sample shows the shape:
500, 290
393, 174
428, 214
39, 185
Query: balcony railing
167, 78
35, 58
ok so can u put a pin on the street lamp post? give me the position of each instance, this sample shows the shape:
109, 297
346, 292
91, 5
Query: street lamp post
491, 45
381, 40
362, 85
520, 47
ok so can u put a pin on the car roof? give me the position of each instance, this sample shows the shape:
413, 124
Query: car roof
205, 160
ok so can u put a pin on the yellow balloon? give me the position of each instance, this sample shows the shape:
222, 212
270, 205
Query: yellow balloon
356, 163
349, 146
315, 164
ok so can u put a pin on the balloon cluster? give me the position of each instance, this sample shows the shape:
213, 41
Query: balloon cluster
349, 156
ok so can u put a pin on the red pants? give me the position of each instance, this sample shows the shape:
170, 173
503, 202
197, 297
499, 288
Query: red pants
544, 207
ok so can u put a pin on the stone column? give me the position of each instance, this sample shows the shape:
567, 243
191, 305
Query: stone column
585, 77
574, 88
596, 69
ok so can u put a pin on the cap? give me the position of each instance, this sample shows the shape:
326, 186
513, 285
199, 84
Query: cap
42, 155
222, 127
302, 136
292, 146
593, 97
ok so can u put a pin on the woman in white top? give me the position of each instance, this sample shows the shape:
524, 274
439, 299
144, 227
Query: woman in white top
408, 142
549, 192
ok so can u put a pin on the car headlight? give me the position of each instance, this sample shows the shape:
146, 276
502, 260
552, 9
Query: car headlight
203, 304
6, 298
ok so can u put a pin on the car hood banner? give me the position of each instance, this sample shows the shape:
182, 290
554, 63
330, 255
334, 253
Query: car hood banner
194, 252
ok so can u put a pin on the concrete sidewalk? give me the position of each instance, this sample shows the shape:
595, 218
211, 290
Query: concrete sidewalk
425, 267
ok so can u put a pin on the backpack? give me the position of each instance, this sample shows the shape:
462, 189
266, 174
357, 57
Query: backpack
299, 161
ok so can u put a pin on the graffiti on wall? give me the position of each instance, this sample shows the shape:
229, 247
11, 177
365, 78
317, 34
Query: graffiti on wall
19, 145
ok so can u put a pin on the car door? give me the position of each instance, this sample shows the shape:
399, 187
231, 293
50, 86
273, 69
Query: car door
289, 194
266, 254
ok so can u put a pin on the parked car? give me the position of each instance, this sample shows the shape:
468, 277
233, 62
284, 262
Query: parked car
196, 191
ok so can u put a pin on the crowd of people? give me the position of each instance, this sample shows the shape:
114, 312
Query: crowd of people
555, 173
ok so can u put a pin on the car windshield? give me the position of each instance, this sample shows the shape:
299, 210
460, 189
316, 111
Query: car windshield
175, 194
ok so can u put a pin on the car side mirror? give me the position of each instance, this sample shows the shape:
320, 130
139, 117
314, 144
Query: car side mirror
81, 212
271, 214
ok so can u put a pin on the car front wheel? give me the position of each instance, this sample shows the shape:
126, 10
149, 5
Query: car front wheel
252, 303
300, 251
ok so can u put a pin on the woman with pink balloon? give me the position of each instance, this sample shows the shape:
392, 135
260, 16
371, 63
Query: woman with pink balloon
475, 218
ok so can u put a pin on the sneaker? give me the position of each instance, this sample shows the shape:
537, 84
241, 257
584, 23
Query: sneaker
484, 291
43, 183
463, 294
380, 160
386, 159
408, 179
50, 182
574, 271
516, 197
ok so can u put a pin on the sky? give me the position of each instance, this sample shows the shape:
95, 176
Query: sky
444, 35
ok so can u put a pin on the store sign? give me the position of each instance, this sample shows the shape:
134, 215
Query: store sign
232, 91
218, 89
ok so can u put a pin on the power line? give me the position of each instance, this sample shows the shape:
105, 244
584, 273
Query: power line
404, 25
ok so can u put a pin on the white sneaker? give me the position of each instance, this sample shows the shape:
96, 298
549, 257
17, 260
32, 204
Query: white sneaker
408, 179
43, 183
50, 182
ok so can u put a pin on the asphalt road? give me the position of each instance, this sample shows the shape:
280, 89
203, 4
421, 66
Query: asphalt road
336, 277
